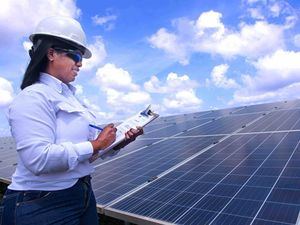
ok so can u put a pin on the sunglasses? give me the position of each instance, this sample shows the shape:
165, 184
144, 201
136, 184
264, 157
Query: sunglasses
75, 55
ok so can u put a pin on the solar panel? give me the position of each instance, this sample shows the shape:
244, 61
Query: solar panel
127, 172
8, 159
228, 189
134, 146
175, 128
231, 166
278, 120
223, 125
269, 107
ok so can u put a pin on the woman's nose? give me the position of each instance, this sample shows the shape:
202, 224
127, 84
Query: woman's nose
79, 63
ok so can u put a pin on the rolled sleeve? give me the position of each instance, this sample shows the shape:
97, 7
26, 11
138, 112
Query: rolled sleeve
84, 150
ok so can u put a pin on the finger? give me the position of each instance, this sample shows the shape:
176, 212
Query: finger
107, 127
130, 133
113, 134
113, 129
134, 131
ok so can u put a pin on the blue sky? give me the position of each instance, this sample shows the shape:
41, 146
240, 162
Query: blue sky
179, 56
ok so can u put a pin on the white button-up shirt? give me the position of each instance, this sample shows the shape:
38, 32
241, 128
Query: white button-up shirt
51, 130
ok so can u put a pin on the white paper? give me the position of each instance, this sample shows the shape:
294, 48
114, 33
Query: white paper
141, 119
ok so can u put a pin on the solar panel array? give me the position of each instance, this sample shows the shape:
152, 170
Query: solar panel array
231, 166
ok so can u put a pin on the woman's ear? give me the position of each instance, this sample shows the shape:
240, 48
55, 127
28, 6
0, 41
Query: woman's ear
50, 54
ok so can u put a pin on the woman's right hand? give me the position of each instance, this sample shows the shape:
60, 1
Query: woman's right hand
105, 138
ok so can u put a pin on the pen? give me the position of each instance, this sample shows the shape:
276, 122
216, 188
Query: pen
96, 127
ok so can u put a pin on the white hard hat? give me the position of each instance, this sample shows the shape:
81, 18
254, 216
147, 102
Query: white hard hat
65, 28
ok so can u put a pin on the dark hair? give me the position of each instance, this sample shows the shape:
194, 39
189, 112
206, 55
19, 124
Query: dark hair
38, 62
39, 59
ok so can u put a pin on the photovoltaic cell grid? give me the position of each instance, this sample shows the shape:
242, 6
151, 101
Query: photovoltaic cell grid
8, 158
244, 179
269, 107
278, 120
258, 182
175, 128
223, 125
205, 126
229, 166
191, 116
137, 145
122, 175
116, 178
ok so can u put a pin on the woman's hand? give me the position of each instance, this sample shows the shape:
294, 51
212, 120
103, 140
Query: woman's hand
130, 136
105, 138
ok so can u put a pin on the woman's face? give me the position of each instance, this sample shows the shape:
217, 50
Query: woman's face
64, 65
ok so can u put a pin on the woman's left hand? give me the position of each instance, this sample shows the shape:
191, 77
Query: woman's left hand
130, 136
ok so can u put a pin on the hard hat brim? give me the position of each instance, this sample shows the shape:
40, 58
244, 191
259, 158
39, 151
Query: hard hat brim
86, 54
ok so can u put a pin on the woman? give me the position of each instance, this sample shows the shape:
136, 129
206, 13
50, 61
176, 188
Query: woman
51, 184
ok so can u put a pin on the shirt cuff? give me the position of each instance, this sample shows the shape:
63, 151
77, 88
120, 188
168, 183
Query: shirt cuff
84, 150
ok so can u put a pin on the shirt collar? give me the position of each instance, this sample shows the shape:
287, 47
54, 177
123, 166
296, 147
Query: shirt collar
55, 83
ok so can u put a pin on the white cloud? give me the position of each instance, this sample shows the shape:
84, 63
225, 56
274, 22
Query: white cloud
173, 95
101, 116
154, 85
251, 41
290, 21
122, 94
264, 9
297, 40
240, 97
277, 70
109, 76
6, 92
254, 1
171, 44
98, 55
183, 101
106, 21
256, 13
277, 76
210, 22
245, 97
125, 102
18, 18
219, 79
27, 45
79, 89
208, 34
119, 99
177, 92
276, 9
173, 83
